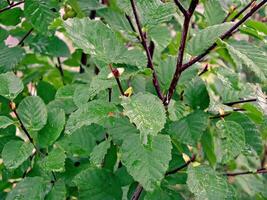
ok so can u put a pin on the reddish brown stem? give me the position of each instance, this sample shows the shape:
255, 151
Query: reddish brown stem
243, 10
149, 57
258, 171
181, 50
116, 76
225, 35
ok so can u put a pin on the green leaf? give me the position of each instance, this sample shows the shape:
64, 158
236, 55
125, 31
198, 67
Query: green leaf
214, 12
55, 161
98, 154
253, 57
204, 183
33, 113
96, 111
206, 37
58, 192
15, 153
154, 12
98, 184
146, 111
120, 128
30, 188
253, 112
207, 142
102, 42
64, 99
189, 129
232, 139
166, 194
252, 133
11, 17
39, 13
10, 86
82, 141
147, 164
52, 130
5, 122
52, 46
10, 57
196, 94
46, 91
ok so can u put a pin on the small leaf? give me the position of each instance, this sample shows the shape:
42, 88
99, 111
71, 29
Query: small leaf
189, 129
97, 39
204, 183
33, 113
206, 37
147, 164
15, 153
82, 141
196, 94
214, 12
252, 134
10, 86
253, 57
98, 184
98, 154
30, 188
5, 122
58, 192
93, 112
10, 57
39, 13
55, 161
146, 111
51, 131
232, 139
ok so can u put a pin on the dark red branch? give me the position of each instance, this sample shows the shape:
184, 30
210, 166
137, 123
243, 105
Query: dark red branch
181, 50
181, 7
243, 10
11, 6
225, 35
258, 171
116, 75
149, 57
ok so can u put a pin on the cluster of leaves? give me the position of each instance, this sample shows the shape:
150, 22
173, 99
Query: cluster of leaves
96, 104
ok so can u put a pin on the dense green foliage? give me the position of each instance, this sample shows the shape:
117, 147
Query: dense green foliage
133, 99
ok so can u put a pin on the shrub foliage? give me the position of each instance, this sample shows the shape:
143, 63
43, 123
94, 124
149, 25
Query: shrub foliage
133, 99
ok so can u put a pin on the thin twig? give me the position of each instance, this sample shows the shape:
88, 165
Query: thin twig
181, 50
116, 75
240, 101
132, 26
181, 7
24, 37
137, 193
243, 10
192, 159
149, 57
225, 35
258, 171
59, 66
204, 70
12, 106
11, 6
